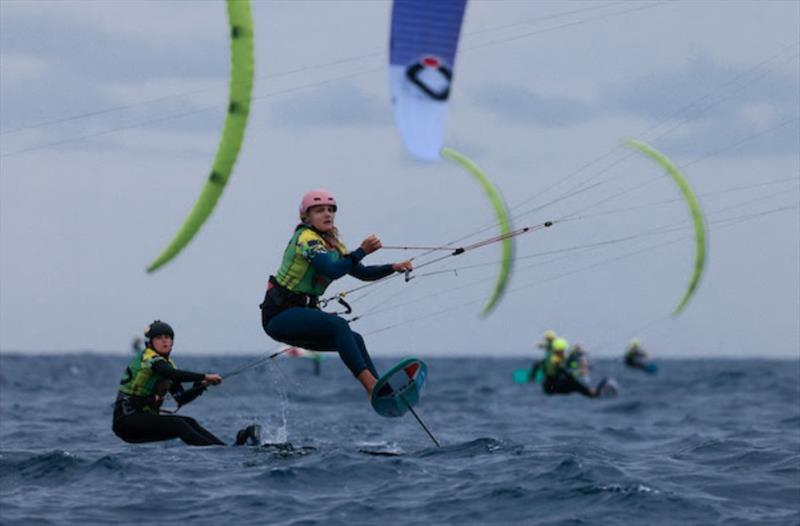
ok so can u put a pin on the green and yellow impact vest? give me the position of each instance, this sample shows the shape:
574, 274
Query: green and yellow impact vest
139, 378
296, 272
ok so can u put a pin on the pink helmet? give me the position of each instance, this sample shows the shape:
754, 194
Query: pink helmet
316, 198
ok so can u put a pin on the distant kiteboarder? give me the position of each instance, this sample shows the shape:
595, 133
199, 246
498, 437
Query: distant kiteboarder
560, 378
315, 357
137, 345
636, 358
150, 375
577, 363
537, 371
314, 257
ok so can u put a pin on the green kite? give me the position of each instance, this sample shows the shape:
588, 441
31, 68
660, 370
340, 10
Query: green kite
240, 90
694, 208
501, 211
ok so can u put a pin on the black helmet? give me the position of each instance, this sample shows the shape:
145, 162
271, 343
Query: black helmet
158, 328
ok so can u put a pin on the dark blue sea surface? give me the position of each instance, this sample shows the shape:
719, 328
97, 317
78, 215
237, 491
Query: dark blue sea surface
703, 442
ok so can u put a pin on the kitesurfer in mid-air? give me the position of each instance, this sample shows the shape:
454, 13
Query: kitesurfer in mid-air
150, 375
560, 378
314, 257
537, 371
636, 358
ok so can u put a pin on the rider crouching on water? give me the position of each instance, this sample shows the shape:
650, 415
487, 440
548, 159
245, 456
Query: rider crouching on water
537, 370
636, 358
559, 379
314, 257
577, 364
150, 375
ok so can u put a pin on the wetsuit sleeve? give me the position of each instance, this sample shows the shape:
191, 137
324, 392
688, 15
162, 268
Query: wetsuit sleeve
357, 255
183, 397
325, 265
165, 370
371, 273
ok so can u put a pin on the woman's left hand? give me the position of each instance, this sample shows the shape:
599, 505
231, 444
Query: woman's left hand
371, 244
403, 266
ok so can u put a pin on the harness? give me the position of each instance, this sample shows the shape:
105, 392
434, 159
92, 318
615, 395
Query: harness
140, 389
278, 298
127, 404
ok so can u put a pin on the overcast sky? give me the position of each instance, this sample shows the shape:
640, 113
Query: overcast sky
111, 113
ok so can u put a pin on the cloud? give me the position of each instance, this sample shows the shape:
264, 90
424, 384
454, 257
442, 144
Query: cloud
702, 108
337, 105
708, 107
132, 17
87, 58
524, 105
704, 89
21, 67
102, 45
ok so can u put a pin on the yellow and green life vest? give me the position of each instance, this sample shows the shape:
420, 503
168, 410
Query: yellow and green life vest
139, 378
553, 363
296, 272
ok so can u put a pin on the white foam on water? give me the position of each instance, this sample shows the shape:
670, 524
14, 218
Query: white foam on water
277, 429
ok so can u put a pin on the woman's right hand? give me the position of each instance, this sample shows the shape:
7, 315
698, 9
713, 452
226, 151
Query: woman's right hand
403, 266
212, 378
371, 244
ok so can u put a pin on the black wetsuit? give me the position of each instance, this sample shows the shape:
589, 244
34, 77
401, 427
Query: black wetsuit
635, 358
137, 418
564, 383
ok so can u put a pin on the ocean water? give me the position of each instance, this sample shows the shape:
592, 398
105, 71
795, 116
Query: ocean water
704, 442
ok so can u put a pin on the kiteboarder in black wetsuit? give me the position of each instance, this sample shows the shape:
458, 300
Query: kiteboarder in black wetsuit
636, 358
559, 378
537, 370
150, 375
577, 363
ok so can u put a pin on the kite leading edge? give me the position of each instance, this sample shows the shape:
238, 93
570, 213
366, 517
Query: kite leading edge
501, 211
694, 208
241, 85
